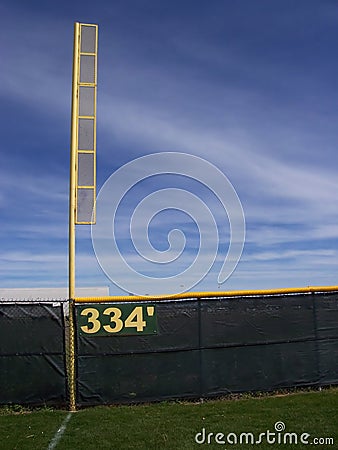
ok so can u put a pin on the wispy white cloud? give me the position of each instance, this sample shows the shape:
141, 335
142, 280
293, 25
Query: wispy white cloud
36, 58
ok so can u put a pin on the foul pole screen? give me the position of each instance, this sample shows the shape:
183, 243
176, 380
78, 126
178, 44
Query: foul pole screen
83, 136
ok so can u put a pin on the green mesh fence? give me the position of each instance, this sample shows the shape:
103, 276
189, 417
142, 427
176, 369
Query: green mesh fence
206, 347
32, 353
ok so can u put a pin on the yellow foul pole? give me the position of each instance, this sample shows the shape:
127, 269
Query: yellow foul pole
72, 213
82, 184
73, 163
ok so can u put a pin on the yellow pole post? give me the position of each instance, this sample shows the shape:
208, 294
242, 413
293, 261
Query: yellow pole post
73, 169
72, 210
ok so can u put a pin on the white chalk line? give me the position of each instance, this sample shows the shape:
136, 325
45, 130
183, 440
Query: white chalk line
58, 435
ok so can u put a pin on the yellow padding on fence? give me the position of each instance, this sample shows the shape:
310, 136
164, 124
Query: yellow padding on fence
187, 295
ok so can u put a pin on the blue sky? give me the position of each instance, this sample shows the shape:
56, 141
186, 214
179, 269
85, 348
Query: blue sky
250, 86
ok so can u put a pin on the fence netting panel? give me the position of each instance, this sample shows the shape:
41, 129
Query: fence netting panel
207, 347
32, 353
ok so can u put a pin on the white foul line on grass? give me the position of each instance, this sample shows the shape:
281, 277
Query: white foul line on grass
59, 433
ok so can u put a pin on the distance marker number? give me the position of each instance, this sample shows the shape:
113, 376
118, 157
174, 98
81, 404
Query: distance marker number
126, 319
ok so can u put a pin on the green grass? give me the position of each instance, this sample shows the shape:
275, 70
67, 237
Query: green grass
173, 425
